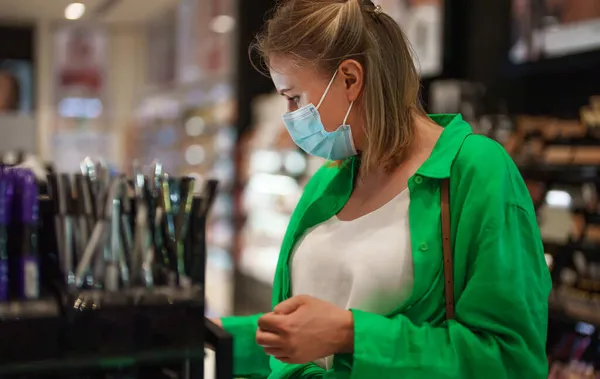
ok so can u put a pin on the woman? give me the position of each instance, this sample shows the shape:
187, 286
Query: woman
359, 287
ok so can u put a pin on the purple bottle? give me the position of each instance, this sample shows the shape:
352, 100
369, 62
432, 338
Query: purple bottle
29, 284
7, 192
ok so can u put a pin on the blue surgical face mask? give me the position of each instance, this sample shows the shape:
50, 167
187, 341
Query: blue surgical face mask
307, 131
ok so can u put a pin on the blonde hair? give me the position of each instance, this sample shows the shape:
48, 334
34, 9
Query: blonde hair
324, 33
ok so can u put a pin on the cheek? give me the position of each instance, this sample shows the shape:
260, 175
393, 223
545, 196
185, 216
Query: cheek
331, 119
332, 113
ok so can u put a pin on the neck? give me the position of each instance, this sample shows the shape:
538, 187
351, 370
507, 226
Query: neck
427, 133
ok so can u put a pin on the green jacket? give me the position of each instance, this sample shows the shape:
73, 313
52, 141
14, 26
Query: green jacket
501, 281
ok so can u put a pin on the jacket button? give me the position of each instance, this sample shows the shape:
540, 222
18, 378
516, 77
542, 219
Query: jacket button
418, 179
423, 246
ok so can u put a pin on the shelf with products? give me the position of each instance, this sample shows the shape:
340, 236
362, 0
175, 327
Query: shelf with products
105, 274
560, 162
573, 348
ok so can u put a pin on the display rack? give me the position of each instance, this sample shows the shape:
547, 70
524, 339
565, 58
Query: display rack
562, 252
560, 162
156, 332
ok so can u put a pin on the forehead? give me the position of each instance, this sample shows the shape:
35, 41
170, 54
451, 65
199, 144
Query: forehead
287, 74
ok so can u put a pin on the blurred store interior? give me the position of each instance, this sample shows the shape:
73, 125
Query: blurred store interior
170, 81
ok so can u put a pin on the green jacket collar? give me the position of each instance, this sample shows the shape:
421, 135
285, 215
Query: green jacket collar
440, 161
438, 165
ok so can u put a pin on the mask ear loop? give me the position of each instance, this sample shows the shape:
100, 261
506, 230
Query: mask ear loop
327, 89
346, 119
348, 113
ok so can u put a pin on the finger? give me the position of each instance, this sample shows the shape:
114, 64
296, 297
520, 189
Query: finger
290, 360
290, 305
277, 353
272, 322
268, 339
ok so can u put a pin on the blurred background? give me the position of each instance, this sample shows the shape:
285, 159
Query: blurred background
170, 80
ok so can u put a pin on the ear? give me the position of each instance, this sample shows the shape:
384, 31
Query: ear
353, 73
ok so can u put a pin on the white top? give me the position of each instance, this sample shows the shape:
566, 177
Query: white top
364, 264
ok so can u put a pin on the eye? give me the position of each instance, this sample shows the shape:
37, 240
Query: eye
293, 102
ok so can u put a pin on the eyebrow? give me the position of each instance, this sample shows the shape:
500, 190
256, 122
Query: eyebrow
283, 91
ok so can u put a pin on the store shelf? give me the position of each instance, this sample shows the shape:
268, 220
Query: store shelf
130, 337
589, 217
584, 141
140, 327
557, 313
570, 247
104, 362
561, 174
111, 331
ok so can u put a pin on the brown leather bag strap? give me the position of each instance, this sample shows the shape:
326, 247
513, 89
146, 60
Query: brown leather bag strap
447, 248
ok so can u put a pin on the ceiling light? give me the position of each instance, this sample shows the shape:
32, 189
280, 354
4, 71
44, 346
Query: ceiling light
74, 11
195, 154
194, 126
222, 24
558, 199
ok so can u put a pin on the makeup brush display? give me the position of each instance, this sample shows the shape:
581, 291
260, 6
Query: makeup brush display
117, 234
106, 267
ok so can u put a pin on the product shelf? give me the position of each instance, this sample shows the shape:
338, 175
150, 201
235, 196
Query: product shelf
136, 329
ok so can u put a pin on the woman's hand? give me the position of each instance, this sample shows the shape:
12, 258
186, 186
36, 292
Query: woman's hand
217, 322
303, 329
